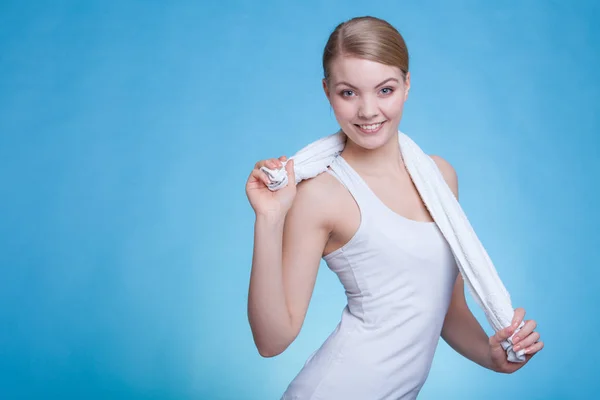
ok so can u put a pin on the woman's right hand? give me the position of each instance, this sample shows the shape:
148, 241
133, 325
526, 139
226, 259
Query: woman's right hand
265, 201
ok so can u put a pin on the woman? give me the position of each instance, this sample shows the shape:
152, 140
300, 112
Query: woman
365, 218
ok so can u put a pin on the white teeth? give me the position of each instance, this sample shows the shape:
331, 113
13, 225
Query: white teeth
370, 127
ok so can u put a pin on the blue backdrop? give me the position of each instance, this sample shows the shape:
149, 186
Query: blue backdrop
128, 129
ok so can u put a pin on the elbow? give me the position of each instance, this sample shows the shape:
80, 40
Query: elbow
270, 344
268, 347
270, 351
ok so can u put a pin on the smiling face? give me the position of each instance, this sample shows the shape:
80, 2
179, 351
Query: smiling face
367, 98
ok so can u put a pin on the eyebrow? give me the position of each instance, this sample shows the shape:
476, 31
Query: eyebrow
376, 86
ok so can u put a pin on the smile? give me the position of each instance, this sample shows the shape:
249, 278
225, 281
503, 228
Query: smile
370, 128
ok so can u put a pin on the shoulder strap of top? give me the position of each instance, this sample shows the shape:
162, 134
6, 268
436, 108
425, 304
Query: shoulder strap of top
340, 169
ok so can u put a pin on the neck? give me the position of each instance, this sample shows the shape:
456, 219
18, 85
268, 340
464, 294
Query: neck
383, 160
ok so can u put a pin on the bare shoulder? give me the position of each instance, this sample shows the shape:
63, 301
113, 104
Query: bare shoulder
317, 197
317, 189
448, 172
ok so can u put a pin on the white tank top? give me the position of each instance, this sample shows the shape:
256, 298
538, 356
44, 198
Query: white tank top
398, 275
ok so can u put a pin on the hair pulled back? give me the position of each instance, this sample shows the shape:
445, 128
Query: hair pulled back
367, 38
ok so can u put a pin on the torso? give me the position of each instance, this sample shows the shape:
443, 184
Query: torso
397, 192
397, 271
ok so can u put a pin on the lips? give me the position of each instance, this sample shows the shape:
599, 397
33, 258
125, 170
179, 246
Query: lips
370, 128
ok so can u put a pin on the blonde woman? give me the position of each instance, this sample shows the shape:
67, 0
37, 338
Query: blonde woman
365, 218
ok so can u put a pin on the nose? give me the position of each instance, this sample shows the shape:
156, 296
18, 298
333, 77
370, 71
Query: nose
368, 108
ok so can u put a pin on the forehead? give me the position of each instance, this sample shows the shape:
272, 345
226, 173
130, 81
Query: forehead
360, 72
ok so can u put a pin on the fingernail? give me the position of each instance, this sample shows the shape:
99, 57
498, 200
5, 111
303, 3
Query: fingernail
516, 339
517, 347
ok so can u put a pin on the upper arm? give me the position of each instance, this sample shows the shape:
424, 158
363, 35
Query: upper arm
458, 302
306, 232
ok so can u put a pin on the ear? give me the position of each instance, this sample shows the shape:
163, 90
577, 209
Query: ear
326, 89
406, 86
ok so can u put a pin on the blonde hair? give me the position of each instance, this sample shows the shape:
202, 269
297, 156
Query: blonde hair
368, 38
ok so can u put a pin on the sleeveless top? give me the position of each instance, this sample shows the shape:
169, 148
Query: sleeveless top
398, 275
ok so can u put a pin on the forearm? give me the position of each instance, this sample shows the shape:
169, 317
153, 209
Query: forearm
268, 314
464, 334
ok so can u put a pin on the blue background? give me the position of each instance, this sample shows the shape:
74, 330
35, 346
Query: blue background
128, 130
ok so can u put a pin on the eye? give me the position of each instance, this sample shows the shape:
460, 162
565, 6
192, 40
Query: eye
347, 93
387, 90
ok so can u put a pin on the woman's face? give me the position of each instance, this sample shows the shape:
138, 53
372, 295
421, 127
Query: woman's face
367, 98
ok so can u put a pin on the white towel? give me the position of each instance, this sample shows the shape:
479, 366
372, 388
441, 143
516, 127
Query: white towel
472, 260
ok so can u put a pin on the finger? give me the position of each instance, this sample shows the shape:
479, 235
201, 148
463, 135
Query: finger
527, 341
271, 163
518, 316
502, 335
289, 167
536, 347
260, 176
525, 330
283, 158
260, 164
276, 163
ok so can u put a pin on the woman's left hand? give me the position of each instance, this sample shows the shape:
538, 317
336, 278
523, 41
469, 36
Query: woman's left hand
526, 339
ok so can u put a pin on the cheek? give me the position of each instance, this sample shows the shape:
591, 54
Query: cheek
343, 109
394, 107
